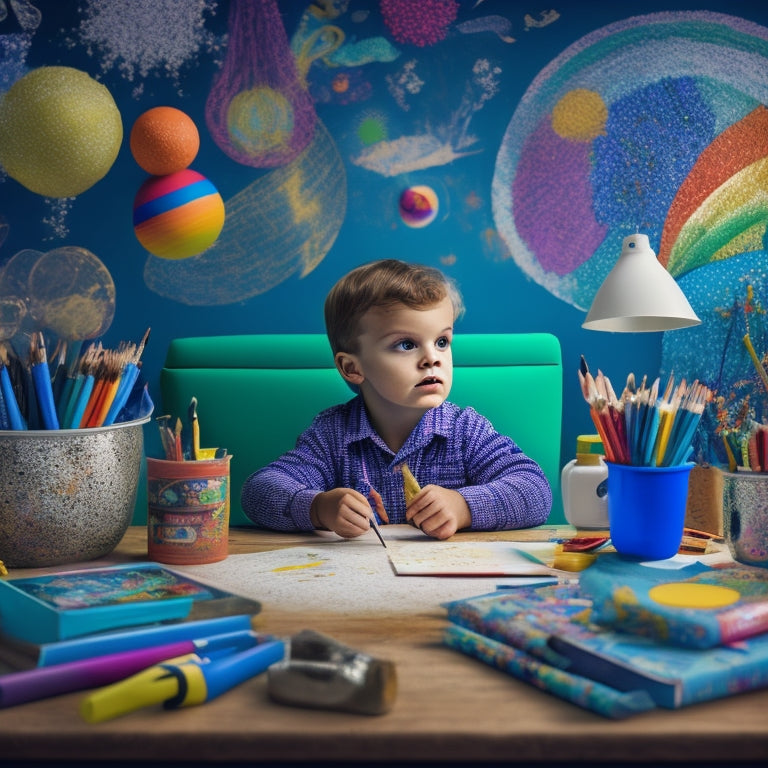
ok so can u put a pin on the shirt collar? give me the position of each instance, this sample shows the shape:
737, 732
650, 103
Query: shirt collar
436, 421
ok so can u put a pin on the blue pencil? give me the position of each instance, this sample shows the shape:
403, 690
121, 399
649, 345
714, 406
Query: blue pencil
13, 414
4, 420
82, 402
72, 397
127, 380
44, 391
41, 379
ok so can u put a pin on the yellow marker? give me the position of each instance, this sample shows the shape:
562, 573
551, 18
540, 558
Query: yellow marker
410, 484
154, 685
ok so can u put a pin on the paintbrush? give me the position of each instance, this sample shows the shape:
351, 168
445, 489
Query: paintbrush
376, 530
194, 425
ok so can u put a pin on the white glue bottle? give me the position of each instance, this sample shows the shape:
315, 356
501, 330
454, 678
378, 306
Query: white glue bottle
584, 485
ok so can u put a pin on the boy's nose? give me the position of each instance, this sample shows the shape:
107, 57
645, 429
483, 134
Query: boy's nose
431, 358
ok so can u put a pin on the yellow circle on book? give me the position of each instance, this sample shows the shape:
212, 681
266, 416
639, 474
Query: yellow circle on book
686, 595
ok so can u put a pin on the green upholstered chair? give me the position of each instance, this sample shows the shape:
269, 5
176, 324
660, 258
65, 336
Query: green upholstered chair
256, 393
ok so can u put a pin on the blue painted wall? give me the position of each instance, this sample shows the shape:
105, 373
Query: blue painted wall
143, 65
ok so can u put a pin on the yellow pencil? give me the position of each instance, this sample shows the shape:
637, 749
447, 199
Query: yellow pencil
666, 419
410, 485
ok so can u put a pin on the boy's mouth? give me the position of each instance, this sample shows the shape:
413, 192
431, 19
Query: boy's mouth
429, 380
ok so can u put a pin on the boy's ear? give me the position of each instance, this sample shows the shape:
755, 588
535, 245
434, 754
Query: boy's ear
349, 368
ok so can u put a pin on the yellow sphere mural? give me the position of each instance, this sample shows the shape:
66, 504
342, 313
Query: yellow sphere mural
60, 131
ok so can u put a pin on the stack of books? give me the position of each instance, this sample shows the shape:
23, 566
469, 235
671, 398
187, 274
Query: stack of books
73, 630
628, 637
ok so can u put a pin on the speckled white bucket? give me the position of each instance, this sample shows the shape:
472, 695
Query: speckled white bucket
745, 516
67, 496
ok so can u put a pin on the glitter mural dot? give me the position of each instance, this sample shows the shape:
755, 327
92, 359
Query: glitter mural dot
259, 121
144, 37
259, 111
164, 140
371, 129
423, 23
580, 115
178, 215
418, 206
60, 131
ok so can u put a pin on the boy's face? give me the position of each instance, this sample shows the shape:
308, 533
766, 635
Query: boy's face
404, 357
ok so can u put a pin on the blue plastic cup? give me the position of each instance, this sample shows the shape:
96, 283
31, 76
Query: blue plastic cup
646, 509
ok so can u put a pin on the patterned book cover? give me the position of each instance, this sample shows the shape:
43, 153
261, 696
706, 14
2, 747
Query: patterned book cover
696, 606
68, 604
552, 624
586, 693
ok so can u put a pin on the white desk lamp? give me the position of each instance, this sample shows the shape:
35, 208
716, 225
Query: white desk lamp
639, 294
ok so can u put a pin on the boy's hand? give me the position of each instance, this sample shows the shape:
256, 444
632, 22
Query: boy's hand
344, 511
439, 512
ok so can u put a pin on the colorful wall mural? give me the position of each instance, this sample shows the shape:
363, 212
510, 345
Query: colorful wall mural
512, 145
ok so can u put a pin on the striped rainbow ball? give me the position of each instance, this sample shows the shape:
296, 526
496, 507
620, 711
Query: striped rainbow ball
177, 215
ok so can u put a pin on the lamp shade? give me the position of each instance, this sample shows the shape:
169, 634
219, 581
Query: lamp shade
639, 294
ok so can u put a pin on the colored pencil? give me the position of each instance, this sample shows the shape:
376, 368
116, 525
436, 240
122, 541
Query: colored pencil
642, 427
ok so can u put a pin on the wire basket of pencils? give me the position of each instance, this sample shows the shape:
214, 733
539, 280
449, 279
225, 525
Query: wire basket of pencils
71, 451
67, 496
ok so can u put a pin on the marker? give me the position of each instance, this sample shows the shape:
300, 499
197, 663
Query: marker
181, 682
105, 643
43, 682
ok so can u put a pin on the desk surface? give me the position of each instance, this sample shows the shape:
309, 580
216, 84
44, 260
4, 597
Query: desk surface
449, 708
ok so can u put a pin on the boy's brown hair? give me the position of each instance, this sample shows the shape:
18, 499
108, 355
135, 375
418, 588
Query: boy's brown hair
380, 284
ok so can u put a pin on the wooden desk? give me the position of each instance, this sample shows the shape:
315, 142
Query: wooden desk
450, 709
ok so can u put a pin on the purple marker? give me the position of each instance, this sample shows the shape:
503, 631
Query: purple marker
42, 682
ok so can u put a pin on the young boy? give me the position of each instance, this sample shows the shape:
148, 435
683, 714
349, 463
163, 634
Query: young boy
390, 326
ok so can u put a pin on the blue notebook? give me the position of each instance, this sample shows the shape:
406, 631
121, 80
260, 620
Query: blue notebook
67, 604
552, 626
697, 606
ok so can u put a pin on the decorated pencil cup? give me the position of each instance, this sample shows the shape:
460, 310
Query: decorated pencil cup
646, 509
188, 510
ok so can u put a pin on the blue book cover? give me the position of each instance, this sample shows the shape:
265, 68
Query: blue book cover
589, 694
696, 606
69, 604
553, 625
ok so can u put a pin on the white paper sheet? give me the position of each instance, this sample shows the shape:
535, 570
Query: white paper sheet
356, 576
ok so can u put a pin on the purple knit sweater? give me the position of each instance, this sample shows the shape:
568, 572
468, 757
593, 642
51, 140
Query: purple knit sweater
453, 447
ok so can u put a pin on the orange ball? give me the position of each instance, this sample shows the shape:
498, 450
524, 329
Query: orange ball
164, 140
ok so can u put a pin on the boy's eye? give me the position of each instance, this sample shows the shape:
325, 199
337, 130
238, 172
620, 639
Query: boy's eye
443, 342
405, 344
